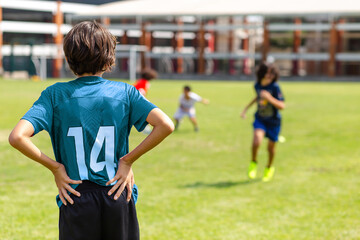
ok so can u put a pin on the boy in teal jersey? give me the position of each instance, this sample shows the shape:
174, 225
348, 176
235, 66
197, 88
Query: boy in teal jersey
89, 121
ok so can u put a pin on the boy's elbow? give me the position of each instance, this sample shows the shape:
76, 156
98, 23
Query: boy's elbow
14, 139
165, 127
169, 127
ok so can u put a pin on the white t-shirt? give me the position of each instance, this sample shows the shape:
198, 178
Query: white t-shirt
187, 104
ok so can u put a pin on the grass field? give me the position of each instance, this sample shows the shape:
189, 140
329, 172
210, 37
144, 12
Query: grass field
194, 186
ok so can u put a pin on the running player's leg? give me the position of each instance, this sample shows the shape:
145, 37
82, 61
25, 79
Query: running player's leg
257, 139
272, 133
177, 122
259, 133
192, 117
119, 220
269, 171
271, 150
195, 124
177, 117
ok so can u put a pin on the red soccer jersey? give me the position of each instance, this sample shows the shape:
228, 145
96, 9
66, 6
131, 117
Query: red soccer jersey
142, 85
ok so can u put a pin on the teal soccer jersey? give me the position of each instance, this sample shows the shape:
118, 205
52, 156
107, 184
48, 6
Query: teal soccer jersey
89, 121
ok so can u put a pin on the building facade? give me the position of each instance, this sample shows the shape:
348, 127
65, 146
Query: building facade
183, 45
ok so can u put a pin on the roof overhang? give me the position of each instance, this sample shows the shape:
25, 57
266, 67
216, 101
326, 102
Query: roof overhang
274, 8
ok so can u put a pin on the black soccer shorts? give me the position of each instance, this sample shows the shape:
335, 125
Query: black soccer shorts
97, 216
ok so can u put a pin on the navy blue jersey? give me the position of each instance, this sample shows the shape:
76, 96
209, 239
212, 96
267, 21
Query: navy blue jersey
89, 121
265, 111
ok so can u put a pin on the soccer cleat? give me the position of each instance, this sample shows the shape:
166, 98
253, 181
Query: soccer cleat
252, 170
196, 129
268, 174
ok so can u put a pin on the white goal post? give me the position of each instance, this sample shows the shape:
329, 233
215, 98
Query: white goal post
131, 52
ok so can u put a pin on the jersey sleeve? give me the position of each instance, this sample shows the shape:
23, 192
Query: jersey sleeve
278, 94
196, 97
40, 115
140, 108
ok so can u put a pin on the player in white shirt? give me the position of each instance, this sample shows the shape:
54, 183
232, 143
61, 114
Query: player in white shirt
187, 101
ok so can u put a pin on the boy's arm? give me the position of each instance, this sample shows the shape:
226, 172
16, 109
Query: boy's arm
273, 101
163, 126
243, 114
20, 139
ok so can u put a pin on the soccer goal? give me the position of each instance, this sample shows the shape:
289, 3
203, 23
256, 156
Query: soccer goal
132, 54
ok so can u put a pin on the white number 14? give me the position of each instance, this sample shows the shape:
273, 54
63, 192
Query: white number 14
105, 135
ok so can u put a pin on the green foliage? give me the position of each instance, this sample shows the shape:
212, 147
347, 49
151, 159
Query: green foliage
194, 185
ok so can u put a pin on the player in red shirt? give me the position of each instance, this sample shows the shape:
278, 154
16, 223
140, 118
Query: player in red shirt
143, 84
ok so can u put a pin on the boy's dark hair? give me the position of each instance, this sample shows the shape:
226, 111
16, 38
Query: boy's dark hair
265, 68
148, 74
89, 48
187, 88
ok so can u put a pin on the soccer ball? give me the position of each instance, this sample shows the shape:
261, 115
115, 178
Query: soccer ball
282, 139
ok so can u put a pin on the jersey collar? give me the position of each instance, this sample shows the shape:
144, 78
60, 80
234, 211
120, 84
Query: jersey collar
90, 79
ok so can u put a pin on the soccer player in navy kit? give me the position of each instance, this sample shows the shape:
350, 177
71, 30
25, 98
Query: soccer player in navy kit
89, 121
270, 100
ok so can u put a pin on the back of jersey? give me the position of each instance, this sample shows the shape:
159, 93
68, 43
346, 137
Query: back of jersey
89, 122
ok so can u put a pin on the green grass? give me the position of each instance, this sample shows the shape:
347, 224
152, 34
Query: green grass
194, 185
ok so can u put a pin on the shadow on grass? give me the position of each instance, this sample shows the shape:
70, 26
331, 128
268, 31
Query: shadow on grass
225, 184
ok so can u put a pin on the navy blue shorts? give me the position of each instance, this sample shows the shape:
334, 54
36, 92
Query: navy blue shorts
271, 131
